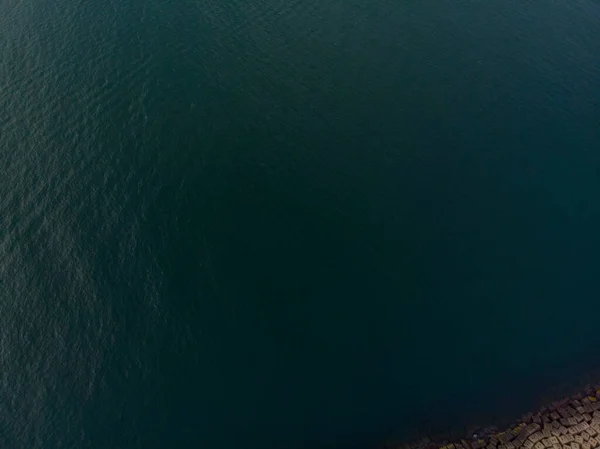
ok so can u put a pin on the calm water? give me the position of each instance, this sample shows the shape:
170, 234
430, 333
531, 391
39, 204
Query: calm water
285, 224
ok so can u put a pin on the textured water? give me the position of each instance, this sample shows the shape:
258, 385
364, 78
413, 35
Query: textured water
288, 224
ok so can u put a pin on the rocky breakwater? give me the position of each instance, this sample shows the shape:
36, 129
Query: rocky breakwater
571, 423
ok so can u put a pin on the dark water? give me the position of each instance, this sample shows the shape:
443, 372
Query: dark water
288, 224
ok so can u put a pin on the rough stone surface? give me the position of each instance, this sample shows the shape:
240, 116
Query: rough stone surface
571, 423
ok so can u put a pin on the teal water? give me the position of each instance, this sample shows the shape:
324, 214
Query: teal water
287, 224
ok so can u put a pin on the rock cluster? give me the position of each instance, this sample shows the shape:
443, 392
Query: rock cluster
571, 423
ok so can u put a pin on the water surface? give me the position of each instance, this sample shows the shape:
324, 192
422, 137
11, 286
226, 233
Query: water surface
287, 224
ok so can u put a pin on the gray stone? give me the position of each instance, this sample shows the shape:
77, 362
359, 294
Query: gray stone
503, 437
537, 436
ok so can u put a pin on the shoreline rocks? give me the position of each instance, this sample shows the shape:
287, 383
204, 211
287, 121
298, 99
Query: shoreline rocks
569, 423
